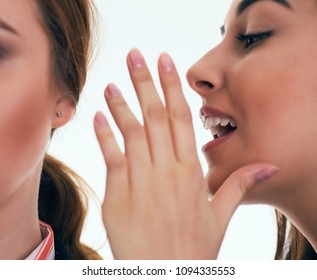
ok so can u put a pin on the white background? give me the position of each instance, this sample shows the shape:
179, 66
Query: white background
186, 30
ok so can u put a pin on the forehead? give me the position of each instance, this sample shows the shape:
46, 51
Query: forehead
302, 10
239, 6
21, 15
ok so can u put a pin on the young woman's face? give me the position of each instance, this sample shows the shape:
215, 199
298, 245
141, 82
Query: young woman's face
27, 96
264, 76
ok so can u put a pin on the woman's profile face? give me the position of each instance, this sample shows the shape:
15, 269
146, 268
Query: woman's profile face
27, 95
263, 75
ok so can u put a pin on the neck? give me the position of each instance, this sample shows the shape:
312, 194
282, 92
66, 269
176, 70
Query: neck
300, 208
19, 228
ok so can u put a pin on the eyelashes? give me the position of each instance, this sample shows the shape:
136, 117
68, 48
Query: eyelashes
2, 53
252, 39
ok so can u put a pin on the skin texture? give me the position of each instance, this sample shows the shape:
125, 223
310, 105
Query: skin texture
156, 204
154, 201
154, 197
270, 90
241, 89
29, 101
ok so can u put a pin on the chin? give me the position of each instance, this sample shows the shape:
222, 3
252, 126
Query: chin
215, 179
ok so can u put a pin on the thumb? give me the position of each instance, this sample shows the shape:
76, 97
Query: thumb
234, 189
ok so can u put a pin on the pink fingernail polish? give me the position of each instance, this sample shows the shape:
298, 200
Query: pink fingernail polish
166, 62
136, 58
266, 174
113, 91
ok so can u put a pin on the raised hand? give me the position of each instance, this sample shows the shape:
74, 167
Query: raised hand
156, 204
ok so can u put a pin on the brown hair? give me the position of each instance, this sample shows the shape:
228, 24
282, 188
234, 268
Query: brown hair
62, 196
291, 243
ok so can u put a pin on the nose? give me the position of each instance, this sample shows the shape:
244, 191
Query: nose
206, 76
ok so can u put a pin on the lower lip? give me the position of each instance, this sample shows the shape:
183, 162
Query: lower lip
216, 142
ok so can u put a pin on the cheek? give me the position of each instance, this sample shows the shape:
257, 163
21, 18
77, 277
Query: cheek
276, 104
25, 118
278, 108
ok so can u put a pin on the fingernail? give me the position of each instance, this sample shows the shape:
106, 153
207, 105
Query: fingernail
166, 62
136, 58
266, 174
113, 91
101, 119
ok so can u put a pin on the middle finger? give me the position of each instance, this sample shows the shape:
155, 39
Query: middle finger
154, 113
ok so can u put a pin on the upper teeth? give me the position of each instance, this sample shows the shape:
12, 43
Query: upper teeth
215, 121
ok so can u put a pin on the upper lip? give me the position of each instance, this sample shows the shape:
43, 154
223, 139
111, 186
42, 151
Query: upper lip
207, 111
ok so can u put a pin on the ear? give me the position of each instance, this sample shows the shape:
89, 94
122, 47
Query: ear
64, 111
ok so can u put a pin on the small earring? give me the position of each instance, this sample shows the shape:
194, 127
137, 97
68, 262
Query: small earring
59, 114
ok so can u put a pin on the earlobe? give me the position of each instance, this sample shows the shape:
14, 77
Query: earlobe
59, 114
64, 112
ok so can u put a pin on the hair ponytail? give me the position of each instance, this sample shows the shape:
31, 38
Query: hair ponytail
291, 243
62, 205
62, 196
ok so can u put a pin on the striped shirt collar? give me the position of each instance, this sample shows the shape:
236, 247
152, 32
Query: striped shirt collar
45, 250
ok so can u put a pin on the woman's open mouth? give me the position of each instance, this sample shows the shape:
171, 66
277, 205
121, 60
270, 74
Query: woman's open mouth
221, 126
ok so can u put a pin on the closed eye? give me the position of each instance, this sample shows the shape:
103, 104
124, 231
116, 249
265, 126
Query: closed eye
251, 39
2, 53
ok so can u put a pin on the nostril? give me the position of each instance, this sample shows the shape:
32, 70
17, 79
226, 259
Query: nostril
204, 85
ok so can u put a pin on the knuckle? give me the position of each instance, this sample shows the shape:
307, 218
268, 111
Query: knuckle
116, 164
172, 81
243, 181
133, 131
182, 115
156, 113
117, 102
243, 185
237, 175
142, 75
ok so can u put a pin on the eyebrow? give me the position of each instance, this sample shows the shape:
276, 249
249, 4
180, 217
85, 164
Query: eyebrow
245, 4
7, 27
